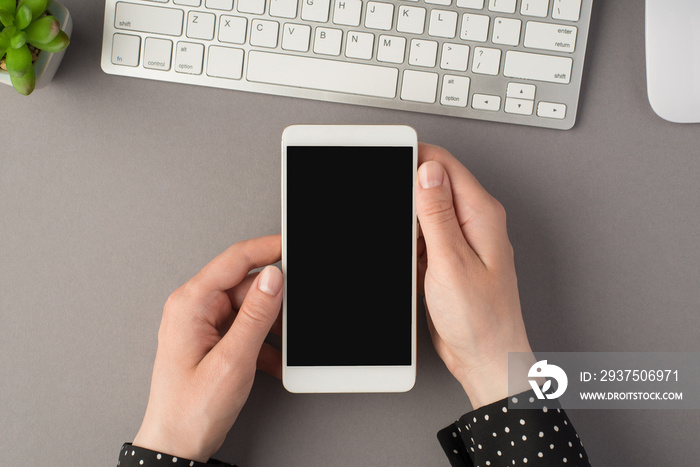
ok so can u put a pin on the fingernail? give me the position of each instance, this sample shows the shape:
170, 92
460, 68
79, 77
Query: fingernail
430, 175
270, 281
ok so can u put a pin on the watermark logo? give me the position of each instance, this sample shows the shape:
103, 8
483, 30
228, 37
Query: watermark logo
542, 369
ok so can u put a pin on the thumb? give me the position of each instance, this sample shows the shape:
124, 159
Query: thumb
255, 318
436, 213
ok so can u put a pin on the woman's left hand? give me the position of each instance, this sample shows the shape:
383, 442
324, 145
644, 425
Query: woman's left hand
210, 342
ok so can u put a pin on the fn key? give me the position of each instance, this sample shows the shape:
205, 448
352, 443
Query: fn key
126, 49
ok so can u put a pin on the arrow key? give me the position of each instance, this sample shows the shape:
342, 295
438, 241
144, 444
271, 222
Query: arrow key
486, 102
551, 110
521, 91
519, 106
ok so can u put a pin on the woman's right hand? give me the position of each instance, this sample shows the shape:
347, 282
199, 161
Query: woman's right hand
467, 277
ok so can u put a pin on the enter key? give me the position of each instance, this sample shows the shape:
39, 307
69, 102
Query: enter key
553, 37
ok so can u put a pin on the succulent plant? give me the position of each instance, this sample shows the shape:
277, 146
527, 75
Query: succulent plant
25, 23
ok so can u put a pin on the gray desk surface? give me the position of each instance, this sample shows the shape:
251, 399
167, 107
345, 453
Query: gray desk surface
114, 191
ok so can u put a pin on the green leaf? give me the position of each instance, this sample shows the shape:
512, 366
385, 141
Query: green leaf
23, 17
4, 44
8, 6
43, 30
59, 43
38, 7
7, 19
18, 40
18, 61
24, 84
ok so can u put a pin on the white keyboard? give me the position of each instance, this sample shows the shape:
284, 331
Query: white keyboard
513, 61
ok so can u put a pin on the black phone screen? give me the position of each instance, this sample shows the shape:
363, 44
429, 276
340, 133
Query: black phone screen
349, 240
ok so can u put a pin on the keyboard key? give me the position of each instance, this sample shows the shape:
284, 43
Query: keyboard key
455, 90
232, 29
379, 15
263, 33
296, 37
423, 53
439, 2
225, 5
519, 106
411, 19
474, 4
187, 2
157, 53
538, 8
359, 45
256, 7
391, 49
283, 8
502, 6
568, 10
225, 62
126, 49
474, 27
547, 36
146, 18
486, 102
200, 25
521, 91
443, 23
315, 10
189, 58
551, 110
506, 31
327, 41
419, 86
347, 12
454, 57
326, 75
487, 61
538, 67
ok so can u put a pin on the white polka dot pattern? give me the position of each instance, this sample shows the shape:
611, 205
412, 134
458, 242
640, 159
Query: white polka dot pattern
134, 456
496, 436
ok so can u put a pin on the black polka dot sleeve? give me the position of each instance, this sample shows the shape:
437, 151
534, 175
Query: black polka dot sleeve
496, 436
134, 456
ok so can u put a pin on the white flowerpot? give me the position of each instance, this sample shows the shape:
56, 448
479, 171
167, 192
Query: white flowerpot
46, 65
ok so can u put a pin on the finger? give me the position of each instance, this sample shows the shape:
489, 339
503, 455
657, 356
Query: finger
420, 247
237, 293
259, 310
229, 268
444, 239
270, 361
422, 267
277, 325
480, 215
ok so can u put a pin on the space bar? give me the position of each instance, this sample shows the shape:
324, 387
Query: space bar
325, 75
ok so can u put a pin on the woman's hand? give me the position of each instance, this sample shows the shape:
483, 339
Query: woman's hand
467, 275
211, 336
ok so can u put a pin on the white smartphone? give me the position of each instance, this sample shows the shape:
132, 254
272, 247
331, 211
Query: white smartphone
349, 258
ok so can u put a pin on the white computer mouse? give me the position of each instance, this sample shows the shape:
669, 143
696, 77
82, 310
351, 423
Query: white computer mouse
673, 59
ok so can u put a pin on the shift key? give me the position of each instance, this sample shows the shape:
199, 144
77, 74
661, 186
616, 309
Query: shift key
550, 68
146, 18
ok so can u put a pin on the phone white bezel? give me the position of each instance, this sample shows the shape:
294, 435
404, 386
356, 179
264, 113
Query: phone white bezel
346, 379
